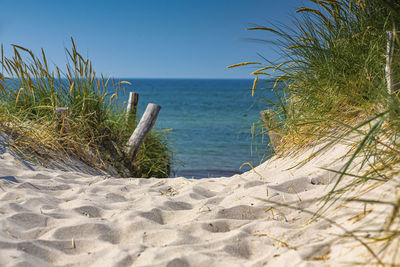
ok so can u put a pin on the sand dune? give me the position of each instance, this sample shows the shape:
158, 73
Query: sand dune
52, 217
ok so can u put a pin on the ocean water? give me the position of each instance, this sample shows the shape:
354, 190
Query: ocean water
210, 122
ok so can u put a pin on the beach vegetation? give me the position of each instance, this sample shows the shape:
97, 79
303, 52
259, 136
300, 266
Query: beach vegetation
94, 128
333, 71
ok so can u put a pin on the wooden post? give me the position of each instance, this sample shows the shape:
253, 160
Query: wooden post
272, 127
142, 130
391, 51
131, 109
133, 101
61, 119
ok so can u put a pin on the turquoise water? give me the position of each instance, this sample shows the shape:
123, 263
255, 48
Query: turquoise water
210, 120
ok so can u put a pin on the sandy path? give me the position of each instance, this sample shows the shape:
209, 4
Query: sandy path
61, 218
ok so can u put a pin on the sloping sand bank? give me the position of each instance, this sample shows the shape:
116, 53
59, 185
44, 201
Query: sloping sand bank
50, 217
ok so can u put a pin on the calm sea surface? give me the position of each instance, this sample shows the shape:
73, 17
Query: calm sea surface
210, 120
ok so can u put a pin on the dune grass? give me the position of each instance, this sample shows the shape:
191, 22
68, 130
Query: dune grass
332, 69
96, 128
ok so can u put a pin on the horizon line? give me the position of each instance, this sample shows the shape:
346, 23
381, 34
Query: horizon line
186, 78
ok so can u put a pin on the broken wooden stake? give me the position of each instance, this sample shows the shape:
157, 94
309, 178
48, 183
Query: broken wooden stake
142, 130
391, 51
131, 108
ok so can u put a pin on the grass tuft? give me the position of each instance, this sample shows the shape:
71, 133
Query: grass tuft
332, 70
95, 130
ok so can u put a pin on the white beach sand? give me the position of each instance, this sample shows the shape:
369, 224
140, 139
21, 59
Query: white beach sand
52, 217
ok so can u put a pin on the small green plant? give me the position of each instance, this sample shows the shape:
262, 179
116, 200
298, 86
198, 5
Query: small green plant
96, 128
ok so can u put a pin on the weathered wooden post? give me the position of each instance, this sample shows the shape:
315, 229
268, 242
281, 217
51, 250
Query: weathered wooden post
131, 108
61, 119
391, 51
271, 124
142, 130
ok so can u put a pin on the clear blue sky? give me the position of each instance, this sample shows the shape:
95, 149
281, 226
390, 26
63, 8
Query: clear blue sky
146, 38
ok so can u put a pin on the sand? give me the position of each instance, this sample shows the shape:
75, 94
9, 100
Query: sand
68, 218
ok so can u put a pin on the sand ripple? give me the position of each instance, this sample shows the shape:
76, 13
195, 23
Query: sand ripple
60, 218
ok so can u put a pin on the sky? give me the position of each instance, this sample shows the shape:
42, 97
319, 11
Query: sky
147, 38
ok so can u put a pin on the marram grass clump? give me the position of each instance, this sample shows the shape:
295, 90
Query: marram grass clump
94, 129
332, 67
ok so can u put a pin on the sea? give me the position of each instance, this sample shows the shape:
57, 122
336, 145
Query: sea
209, 123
